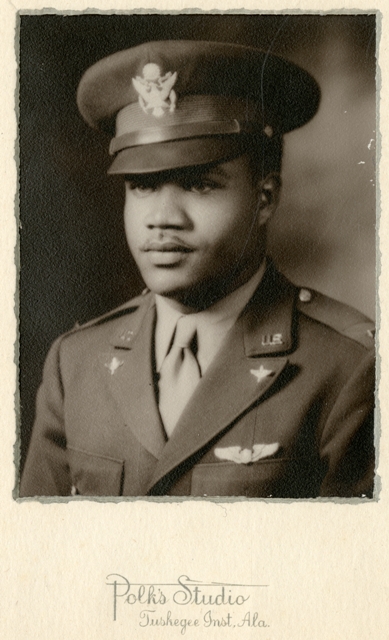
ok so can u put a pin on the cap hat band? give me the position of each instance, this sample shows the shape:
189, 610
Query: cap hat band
194, 116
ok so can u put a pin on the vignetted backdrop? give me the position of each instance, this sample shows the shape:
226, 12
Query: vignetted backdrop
74, 261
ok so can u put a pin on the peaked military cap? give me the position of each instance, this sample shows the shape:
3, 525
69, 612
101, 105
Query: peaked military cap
173, 104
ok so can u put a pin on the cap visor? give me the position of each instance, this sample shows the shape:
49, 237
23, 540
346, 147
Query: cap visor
150, 158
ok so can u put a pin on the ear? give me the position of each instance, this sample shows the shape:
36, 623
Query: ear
269, 191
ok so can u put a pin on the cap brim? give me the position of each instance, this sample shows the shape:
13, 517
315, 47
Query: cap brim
150, 158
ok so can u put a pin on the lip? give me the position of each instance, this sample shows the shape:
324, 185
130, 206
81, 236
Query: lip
166, 246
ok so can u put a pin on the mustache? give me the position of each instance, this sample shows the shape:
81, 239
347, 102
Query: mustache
167, 244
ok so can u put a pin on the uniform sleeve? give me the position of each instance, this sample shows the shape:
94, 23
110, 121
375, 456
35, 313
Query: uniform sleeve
347, 442
46, 472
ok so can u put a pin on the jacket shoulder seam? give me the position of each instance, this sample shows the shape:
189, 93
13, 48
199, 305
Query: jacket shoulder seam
342, 318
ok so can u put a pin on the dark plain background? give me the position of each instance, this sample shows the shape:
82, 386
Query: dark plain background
74, 260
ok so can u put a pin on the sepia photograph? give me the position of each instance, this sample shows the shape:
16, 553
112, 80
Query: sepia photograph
197, 280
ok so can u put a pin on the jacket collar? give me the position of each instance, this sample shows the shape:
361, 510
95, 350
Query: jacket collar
267, 319
128, 328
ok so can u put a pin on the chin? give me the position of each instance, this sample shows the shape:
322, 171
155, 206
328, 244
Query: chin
165, 285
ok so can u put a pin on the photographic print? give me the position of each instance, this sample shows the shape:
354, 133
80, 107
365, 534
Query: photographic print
216, 338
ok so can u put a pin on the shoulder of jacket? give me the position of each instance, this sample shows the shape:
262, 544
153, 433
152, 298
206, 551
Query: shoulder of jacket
125, 309
339, 316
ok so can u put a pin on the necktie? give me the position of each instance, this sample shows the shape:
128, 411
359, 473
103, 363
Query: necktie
179, 374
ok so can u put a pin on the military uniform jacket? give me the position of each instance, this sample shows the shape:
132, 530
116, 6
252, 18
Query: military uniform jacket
285, 410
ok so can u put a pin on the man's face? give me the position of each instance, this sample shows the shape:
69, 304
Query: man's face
197, 233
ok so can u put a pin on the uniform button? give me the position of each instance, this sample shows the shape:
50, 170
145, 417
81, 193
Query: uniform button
305, 295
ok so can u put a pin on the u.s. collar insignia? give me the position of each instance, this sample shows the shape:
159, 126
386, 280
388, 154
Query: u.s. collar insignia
113, 365
156, 92
272, 339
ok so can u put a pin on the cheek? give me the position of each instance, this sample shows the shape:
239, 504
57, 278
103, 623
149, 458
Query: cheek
237, 225
132, 223
128, 230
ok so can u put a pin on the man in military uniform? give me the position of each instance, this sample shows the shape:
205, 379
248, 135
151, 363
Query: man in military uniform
222, 378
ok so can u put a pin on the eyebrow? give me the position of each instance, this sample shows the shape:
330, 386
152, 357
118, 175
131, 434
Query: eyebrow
218, 169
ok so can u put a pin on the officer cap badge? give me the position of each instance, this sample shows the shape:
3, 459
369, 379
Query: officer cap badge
156, 93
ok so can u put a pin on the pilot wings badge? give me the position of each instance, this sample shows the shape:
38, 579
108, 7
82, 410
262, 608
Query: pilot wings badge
247, 456
156, 92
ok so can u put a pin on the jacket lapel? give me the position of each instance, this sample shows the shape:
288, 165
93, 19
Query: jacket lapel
132, 384
248, 364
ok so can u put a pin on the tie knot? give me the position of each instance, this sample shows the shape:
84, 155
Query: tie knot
185, 332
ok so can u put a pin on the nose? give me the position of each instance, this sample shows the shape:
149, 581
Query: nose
168, 209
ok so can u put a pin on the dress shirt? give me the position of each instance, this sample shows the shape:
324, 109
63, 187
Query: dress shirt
212, 324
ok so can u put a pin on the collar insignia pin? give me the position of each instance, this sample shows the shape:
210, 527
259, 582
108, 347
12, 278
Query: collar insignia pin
261, 373
271, 340
127, 336
113, 365
156, 92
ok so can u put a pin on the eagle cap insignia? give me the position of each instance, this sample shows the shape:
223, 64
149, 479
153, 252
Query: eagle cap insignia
156, 93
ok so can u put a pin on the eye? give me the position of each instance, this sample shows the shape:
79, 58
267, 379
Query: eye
141, 188
201, 186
